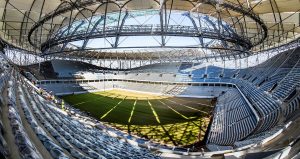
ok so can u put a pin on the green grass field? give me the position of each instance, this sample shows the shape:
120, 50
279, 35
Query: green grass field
169, 120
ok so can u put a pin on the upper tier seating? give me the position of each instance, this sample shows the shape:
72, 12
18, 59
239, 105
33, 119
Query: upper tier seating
66, 88
282, 70
158, 68
288, 83
183, 66
213, 72
67, 69
263, 70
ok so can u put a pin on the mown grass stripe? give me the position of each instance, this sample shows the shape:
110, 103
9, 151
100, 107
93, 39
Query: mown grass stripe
187, 106
154, 112
208, 105
165, 120
98, 98
103, 116
88, 101
168, 134
174, 110
132, 111
185, 130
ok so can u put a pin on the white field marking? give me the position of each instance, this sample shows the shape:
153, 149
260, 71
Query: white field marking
188, 106
131, 113
103, 116
102, 96
196, 102
154, 112
174, 110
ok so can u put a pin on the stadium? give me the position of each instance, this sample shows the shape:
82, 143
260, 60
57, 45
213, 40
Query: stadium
133, 79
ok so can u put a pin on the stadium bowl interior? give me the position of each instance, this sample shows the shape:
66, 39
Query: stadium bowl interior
150, 79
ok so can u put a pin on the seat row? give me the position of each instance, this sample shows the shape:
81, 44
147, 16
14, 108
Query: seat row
26, 148
269, 110
233, 119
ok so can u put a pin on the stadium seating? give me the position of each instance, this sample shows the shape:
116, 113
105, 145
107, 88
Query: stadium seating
183, 66
255, 83
292, 107
68, 69
65, 130
158, 68
213, 72
288, 83
261, 99
66, 88
257, 138
233, 119
55, 129
21, 138
199, 73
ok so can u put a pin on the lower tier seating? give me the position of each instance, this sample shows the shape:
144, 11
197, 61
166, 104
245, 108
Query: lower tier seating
91, 142
233, 119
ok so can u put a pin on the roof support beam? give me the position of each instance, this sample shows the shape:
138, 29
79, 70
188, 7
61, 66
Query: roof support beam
280, 18
91, 32
196, 27
4, 15
40, 18
120, 29
63, 32
161, 17
21, 30
56, 13
74, 31
216, 29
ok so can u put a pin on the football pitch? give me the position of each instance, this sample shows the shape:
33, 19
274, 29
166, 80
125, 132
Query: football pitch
169, 120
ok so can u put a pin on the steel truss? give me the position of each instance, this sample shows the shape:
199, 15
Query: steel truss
149, 30
128, 60
231, 41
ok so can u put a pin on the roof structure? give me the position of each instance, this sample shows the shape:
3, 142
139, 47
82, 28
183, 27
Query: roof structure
259, 24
